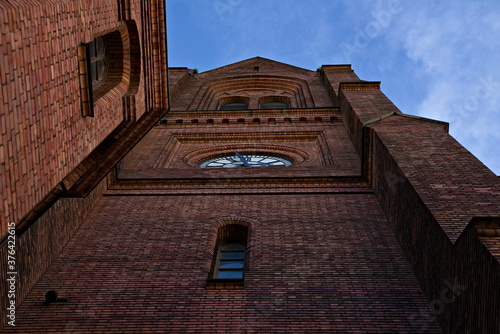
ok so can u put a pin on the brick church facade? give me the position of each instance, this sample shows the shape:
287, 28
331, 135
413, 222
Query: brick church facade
338, 214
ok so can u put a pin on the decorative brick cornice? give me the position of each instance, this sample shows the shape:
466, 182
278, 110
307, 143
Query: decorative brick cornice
220, 181
337, 67
249, 117
367, 85
292, 112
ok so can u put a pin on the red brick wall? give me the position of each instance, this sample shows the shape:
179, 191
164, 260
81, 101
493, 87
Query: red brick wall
141, 263
43, 133
431, 188
303, 87
41, 244
323, 251
169, 148
44, 138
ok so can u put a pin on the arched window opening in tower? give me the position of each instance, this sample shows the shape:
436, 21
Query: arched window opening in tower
99, 63
230, 256
234, 106
234, 103
274, 105
274, 102
104, 67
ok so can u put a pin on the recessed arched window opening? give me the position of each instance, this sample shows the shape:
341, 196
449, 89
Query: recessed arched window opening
274, 105
230, 254
256, 120
106, 62
234, 106
109, 66
274, 102
234, 103
194, 121
225, 121
210, 121
241, 120
303, 119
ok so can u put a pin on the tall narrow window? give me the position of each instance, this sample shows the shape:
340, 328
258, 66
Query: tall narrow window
230, 256
93, 70
231, 260
98, 61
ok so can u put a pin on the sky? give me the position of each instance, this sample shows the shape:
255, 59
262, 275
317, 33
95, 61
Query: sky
438, 59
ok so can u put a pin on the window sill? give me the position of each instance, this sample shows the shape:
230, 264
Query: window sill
221, 283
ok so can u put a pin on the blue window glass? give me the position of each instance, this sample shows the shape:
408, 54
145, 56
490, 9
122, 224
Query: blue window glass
231, 261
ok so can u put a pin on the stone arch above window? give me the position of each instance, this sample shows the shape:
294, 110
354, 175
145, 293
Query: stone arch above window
199, 157
234, 103
274, 102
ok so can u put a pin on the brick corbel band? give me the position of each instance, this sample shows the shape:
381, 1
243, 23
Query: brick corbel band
367, 85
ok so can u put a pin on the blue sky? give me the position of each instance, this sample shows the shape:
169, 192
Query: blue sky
435, 58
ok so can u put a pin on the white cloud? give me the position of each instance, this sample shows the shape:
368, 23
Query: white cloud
457, 47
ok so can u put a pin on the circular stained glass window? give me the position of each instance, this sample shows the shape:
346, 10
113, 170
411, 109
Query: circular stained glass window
245, 160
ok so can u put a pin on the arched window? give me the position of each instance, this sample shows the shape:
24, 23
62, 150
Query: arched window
234, 103
274, 102
108, 65
234, 106
274, 105
230, 255
99, 63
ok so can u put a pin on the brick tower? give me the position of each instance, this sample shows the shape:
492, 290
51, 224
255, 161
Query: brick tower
264, 198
